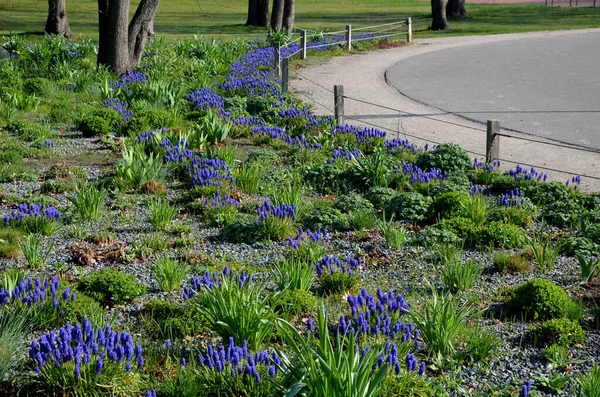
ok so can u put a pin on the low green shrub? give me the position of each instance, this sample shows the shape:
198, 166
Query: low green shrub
499, 235
380, 196
463, 227
101, 120
240, 231
409, 206
561, 331
325, 218
448, 204
541, 299
10, 156
35, 251
166, 320
9, 242
432, 235
327, 179
460, 275
395, 235
479, 345
294, 302
352, 202
574, 246
336, 282
448, 157
502, 183
111, 286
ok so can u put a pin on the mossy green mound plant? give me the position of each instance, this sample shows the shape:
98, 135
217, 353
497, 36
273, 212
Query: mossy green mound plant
111, 287
541, 299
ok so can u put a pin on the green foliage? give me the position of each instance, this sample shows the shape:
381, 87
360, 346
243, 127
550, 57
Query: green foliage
308, 253
326, 179
325, 218
409, 206
10, 157
329, 368
101, 120
273, 228
292, 274
479, 345
460, 275
544, 250
475, 207
431, 236
88, 201
371, 171
395, 235
169, 273
139, 168
9, 242
13, 173
589, 385
40, 225
588, 267
221, 215
510, 262
336, 282
462, 227
541, 299
240, 231
111, 286
241, 312
380, 196
295, 301
14, 327
553, 384
561, 331
574, 246
161, 214
407, 384
249, 178
449, 204
265, 157
361, 220
290, 194
558, 357
440, 320
502, 183
560, 205
166, 320
214, 128
353, 203
448, 157
34, 252
499, 235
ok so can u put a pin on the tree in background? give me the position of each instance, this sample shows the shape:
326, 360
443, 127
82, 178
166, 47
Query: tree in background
57, 22
456, 8
122, 43
258, 13
438, 13
282, 15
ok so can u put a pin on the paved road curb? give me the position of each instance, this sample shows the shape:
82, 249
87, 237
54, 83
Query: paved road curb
363, 77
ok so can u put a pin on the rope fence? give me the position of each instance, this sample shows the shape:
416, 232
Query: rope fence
492, 132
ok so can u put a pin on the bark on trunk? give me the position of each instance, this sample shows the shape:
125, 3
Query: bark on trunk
456, 8
121, 44
263, 14
438, 13
140, 28
57, 22
289, 13
252, 13
277, 14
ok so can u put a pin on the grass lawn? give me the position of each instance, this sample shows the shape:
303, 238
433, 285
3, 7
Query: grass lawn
226, 19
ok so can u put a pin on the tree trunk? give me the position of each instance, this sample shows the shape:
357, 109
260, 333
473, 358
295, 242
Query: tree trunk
438, 13
263, 15
121, 44
456, 8
252, 13
289, 13
277, 14
57, 22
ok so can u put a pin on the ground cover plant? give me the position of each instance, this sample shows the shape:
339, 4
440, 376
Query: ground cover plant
216, 237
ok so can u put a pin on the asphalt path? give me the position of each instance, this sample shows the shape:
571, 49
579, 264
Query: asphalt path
545, 86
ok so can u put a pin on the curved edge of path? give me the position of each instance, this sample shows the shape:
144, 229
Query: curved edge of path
364, 77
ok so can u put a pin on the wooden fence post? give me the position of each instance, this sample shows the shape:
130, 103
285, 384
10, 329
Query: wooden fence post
277, 58
338, 103
348, 37
303, 43
492, 146
408, 29
285, 62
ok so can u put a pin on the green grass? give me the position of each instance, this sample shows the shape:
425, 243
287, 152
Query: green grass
226, 19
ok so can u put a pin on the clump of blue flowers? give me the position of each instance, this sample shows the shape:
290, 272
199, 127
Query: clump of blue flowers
205, 98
